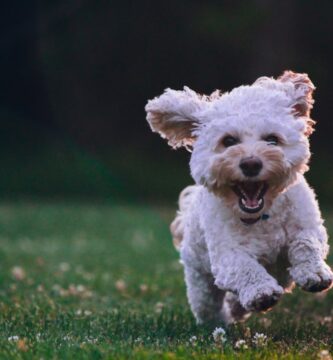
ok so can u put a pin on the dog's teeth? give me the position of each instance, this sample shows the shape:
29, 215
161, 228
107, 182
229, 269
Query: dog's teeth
260, 201
243, 202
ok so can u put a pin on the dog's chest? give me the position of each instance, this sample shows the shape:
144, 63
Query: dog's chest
268, 236
264, 240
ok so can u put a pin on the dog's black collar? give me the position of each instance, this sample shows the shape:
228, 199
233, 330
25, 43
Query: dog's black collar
253, 221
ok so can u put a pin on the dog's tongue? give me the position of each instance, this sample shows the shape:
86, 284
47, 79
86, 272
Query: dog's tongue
250, 203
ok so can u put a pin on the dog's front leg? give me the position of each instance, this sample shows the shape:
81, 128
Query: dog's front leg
307, 244
242, 274
307, 252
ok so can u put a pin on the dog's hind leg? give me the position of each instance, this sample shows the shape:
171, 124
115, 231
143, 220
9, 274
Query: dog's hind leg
204, 297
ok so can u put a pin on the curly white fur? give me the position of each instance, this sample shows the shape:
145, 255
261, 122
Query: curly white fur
237, 261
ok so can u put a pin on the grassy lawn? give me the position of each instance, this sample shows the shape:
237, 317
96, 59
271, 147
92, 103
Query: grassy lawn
103, 282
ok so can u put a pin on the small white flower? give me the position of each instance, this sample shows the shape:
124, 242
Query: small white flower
121, 285
241, 344
13, 338
260, 340
324, 355
143, 288
64, 267
138, 340
87, 312
159, 307
18, 273
327, 319
219, 335
91, 340
80, 288
193, 339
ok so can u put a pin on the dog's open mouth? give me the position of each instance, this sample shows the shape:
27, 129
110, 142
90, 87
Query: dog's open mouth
251, 195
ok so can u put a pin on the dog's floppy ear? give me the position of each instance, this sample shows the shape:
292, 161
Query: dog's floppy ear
173, 115
302, 101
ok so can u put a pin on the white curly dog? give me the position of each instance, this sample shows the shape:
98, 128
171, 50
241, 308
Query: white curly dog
250, 228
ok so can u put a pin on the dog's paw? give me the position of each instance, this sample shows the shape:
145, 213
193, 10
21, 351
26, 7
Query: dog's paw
313, 280
265, 302
264, 299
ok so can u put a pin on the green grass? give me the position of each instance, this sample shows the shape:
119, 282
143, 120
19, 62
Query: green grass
103, 281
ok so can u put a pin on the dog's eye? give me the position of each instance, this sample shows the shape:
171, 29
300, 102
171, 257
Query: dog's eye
271, 139
229, 141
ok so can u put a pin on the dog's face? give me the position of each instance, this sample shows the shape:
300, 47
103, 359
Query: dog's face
249, 157
248, 145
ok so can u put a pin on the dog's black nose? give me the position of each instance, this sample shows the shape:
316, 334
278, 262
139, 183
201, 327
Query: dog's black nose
251, 166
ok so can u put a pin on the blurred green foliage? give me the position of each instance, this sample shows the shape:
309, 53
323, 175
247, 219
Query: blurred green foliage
76, 75
40, 163
36, 162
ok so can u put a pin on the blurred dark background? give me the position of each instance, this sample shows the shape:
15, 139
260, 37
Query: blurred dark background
76, 75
